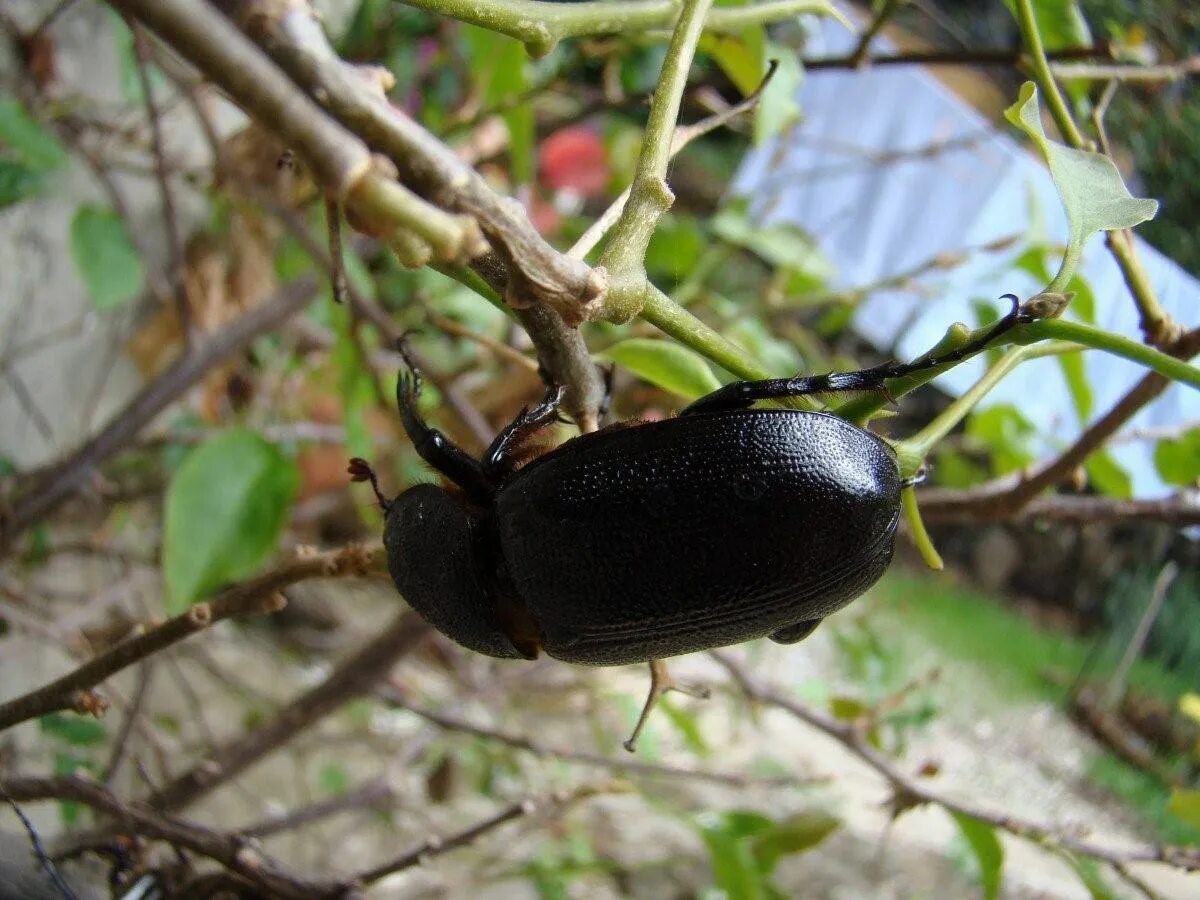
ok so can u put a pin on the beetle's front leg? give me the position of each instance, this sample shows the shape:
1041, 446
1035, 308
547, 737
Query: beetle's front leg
660, 682
433, 446
498, 461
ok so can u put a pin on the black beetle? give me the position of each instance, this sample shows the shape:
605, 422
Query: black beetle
647, 540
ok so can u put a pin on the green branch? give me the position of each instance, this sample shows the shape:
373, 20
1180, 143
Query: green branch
1118, 345
539, 25
649, 195
1044, 77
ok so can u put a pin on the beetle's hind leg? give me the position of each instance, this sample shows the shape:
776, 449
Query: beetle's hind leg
742, 394
660, 683
433, 446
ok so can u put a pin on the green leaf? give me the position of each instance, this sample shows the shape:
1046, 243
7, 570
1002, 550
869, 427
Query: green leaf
18, 182
743, 57
735, 869
1005, 432
688, 727
127, 67
1060, 23
1092, 192
1178, 459
1075, 373
1106, 474
781, 245
666, 364
105, 256
795, 834
1185, 803
34, 144
1089, 874
989, 852
777, 107
80, 731
333, 779
225, 509
498, 66
675, 247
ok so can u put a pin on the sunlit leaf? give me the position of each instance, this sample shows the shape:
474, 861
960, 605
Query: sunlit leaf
1185, 803
778, 108
225, 509
1092, 192
1189, 705
105, 256
989, 852
743, 56
1178, 459
668, 365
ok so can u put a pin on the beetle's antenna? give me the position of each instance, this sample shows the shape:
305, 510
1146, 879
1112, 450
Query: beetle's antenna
360, 470
660, 682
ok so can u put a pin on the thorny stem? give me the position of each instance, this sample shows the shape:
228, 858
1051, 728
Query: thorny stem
539, 25
649, 195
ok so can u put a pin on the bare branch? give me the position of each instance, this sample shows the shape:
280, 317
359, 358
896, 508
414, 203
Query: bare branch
231, 850
910, 791
259, 595
352, 678
44, 494
624, 763
438, 846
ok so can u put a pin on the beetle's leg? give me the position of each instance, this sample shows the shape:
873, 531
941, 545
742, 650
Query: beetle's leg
741, 394
496, 461
433, 446
660, 682
794, 634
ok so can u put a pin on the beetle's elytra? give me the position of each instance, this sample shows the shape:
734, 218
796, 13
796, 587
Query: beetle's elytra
648, 540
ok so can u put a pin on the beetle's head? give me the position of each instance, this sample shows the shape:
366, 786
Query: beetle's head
433, 557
